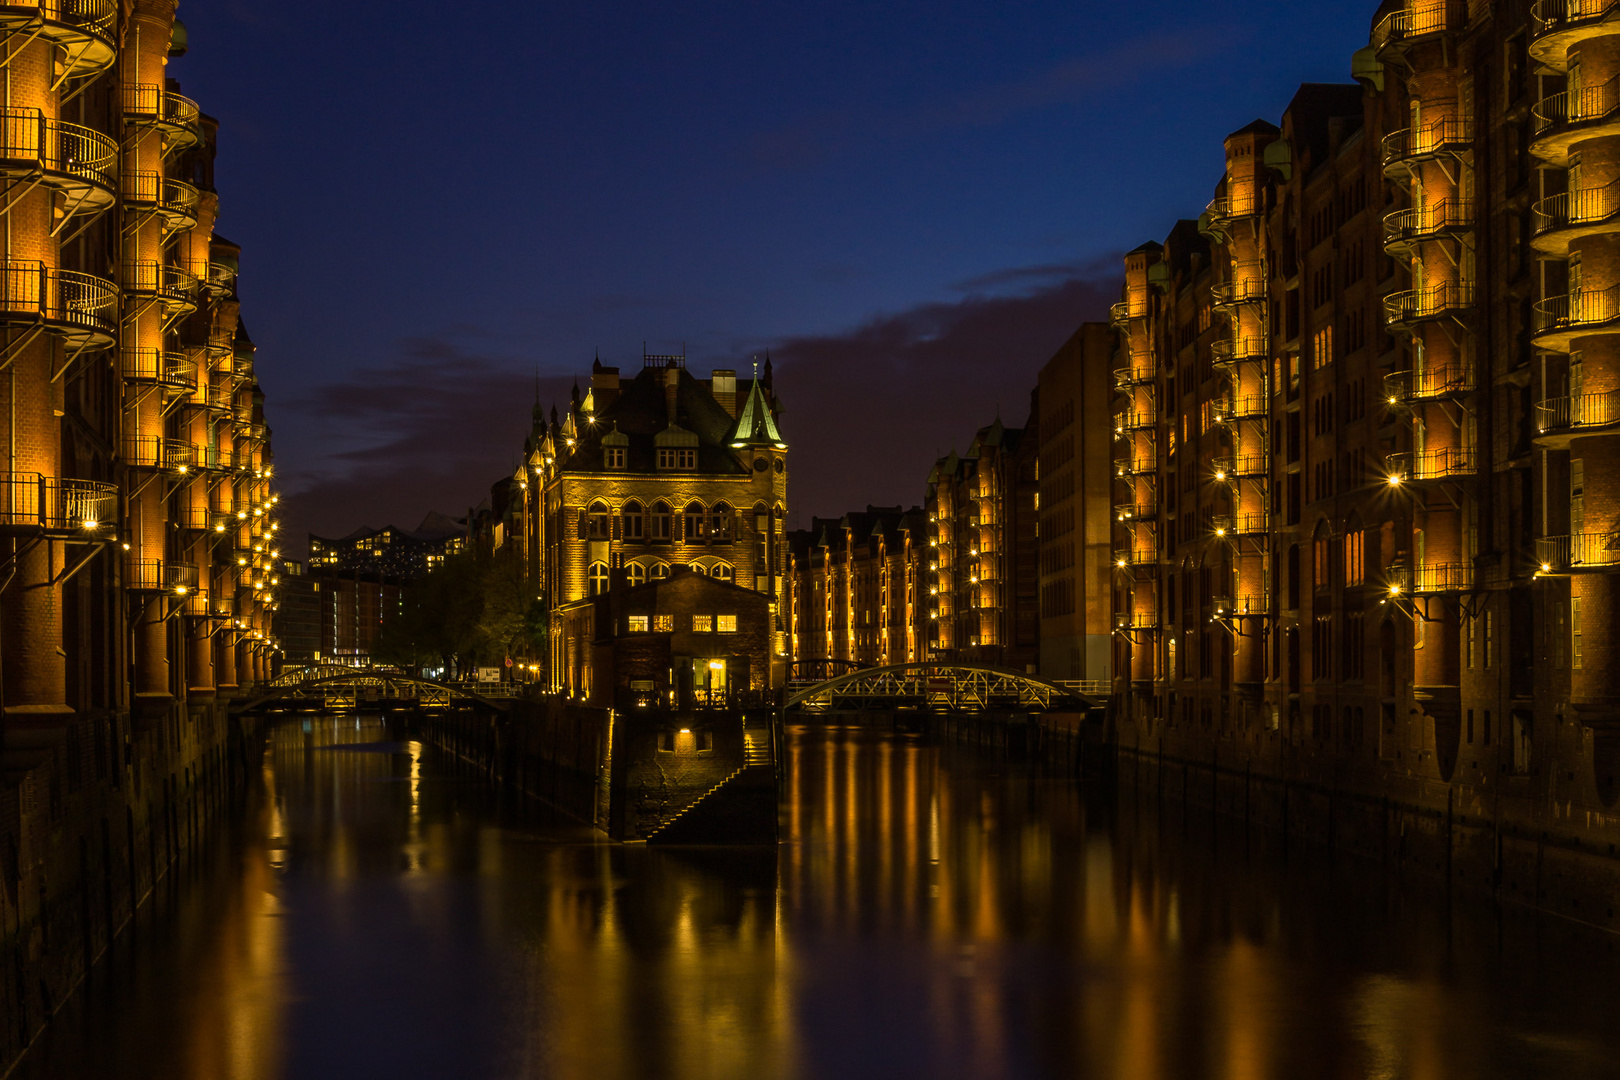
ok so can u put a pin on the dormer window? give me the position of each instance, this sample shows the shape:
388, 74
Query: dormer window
613, 457
677, 458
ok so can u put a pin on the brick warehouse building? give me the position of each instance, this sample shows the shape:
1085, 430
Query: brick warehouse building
646, 477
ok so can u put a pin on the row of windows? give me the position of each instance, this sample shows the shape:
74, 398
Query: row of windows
664, 624
635, 522
639, 573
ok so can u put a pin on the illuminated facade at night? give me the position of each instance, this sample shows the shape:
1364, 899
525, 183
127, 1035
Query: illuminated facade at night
647, 477
1365, 421
858, 590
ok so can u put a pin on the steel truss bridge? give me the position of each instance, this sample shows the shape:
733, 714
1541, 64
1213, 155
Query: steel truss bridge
951, 687
339, 687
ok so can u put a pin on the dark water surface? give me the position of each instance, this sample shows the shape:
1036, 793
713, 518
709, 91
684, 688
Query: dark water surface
931, 913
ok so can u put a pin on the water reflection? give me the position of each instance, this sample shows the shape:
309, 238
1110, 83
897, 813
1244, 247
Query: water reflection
930, 913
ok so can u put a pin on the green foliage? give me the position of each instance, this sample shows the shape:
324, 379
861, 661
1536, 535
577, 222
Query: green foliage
474, 610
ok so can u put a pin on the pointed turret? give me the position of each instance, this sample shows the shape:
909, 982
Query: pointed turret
755, 424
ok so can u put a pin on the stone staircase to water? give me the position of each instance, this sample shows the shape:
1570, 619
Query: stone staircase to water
741, 809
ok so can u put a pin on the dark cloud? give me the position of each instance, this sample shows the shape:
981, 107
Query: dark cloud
430, 431
868, 411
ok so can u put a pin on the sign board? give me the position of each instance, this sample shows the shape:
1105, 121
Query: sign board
489, 674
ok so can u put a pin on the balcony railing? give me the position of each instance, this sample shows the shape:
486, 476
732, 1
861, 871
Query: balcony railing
1590, 104
1135, 556
80, 306
1248, 285
1578, 410
221, 278
1133, 421
1239, 466
67, 154
1119, 313
170, 284
1135, 375
1432, 464
1234, 350
1414, 305
1232, 410
1588, 307
1127, 621
177, 115
1431, 578
1241, 203
1587, 549
160, 575
52, 504
1429, 383
1448, 136
177, 371
211, 398
1419, 223
175, 200
1400, 28
1133, 466
1572, 209
1235, 607
156, 452
1136, 511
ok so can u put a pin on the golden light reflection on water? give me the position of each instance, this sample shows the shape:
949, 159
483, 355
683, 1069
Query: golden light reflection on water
928, 913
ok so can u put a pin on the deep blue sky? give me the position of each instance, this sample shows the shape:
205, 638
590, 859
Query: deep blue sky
910, 204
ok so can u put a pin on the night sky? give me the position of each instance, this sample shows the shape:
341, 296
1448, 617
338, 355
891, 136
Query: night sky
910, 205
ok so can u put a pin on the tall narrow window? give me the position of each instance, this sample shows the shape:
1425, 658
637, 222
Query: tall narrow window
633, 520
659, 521
1575, 633
599, 578
1490, 639
1577, 499
599, 521
694, 531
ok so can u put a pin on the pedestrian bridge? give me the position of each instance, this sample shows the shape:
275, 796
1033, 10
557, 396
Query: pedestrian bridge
947, 687
333, 686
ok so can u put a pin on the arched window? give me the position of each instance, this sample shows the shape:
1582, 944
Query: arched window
599, 578
599, 520
631, 513
693, 529
660, 571
1355, 552
720, 523
1322, 557
636, 573
659, 524
722, 572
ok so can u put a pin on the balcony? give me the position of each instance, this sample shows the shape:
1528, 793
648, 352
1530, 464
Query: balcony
156, 452
1558, 122
1430, 579
175, 290
1140, 510
242, 365
175, 372
1135, 375
221, 280
80, 162
1405, 229
1224, 608
1134, 466
1431, 384
215, 399
74, 509
221, 607
1560, 320
1236, 410
1240, 467
160, 576
1130, 621
1558, 220
1230, 526
1248, 286
1582, 551
1555, 25
1119, 314
174, 201
1446, 464
203, 519
1403, 310
1561, 419
1230, 206
83, 310
1133, 421
84, 30
1135, 558
1400, 31
177, 117
1238, 350
1405, 150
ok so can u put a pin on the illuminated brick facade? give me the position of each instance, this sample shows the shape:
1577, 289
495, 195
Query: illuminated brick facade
650, 473
858, 591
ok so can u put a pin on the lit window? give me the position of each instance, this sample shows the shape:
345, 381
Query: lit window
599, 578
637, 573
660, 571
638, 624
663, 624
727, 624
702, 624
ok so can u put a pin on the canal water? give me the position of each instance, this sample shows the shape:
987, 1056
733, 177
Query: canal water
930, 913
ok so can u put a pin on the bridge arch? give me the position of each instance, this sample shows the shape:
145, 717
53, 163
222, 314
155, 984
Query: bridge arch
362, 686
971, 687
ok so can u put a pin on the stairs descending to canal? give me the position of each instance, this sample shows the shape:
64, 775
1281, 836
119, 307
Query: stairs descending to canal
741, 809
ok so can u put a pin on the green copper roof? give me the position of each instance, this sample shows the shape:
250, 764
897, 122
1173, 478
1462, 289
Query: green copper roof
755, 423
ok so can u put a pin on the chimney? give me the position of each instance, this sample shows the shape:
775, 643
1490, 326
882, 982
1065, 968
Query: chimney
672, 382
723, 385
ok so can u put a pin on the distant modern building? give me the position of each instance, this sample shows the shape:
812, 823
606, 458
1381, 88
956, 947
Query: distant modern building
296, 623
390, 551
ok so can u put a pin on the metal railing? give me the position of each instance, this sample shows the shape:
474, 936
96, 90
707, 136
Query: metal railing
1119, 313
253, 431
1133, 466
34, 291
1413, 304
212, 398
1578, 410
178, 371
1136, 511
1589, 103
156, 452
1587, 307
1232, 467
160, 575
1443, 136
1232, 350
1134, 421
1552, 16
1583, 206
1134, 375
1417, 21
1432, 464
94, 17
1431, 578
1136, 556
242, 365
169, 283
222, 278
1248, 285
1229, 410
57, 146
36, 501
1136, 620
1245, 202
1580, 549
174, 198
148, 100
1429, 383
1447, 215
